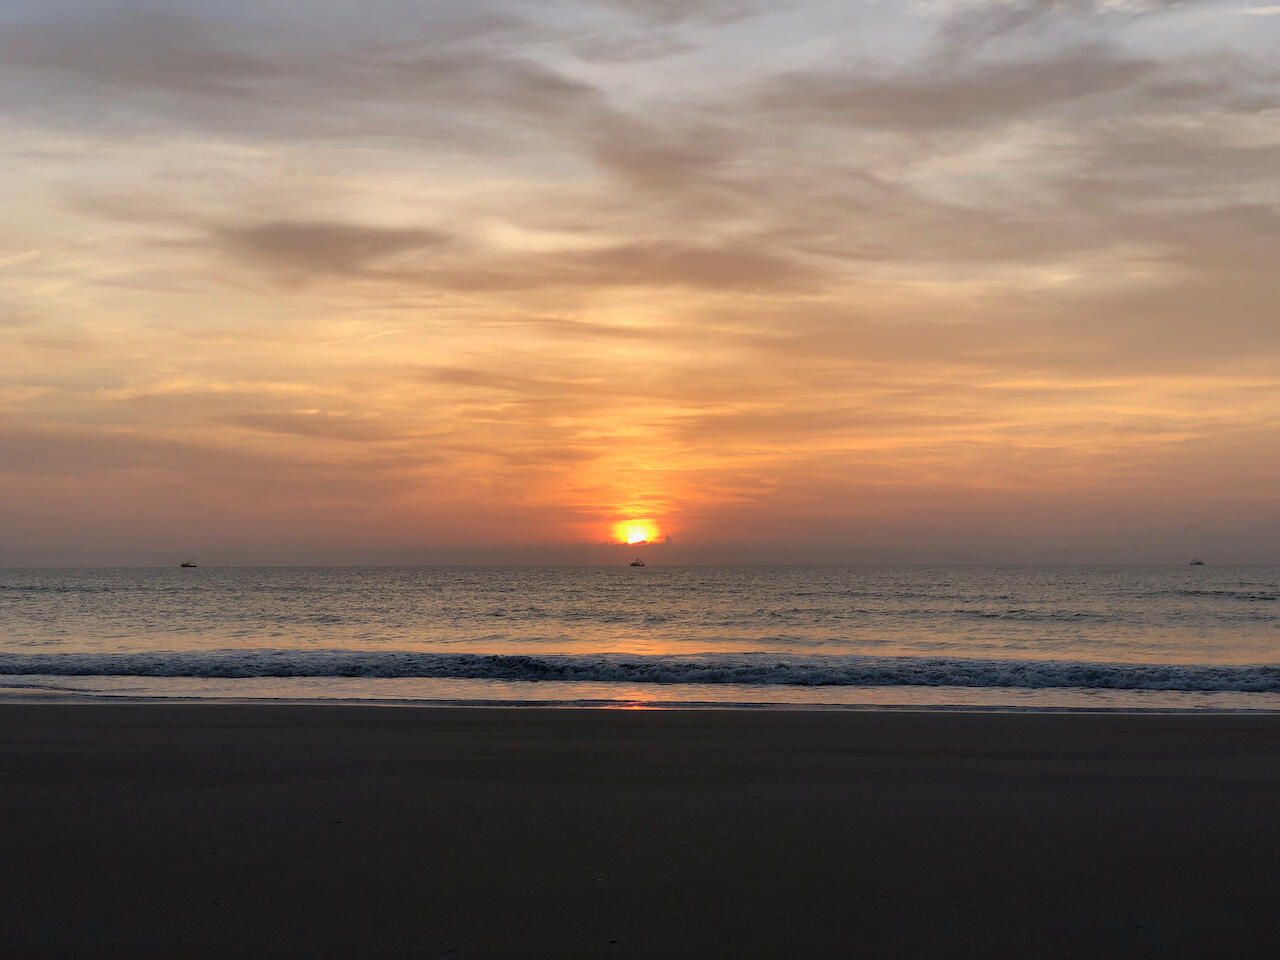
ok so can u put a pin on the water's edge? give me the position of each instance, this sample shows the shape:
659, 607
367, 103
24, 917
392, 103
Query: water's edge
471, 691
32, 696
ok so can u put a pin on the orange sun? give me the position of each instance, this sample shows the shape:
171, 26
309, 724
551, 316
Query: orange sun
635, 531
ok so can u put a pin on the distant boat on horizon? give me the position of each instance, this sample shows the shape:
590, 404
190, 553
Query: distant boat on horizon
188, 563
1197, 562
637, 562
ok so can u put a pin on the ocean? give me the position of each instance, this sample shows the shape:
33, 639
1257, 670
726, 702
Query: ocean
1201, 638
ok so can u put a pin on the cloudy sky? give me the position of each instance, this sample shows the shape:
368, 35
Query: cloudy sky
406, 281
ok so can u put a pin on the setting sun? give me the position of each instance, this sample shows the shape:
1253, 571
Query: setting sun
636, 531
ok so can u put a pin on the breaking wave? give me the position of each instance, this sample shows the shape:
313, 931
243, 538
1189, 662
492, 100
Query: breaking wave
744, 668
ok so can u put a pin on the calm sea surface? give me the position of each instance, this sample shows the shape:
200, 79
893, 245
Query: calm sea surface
1183, 637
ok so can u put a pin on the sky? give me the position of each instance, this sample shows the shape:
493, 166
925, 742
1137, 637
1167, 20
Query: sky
408, 282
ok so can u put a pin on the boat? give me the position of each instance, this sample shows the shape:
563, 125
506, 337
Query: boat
1196, 563
637, 562
188, 563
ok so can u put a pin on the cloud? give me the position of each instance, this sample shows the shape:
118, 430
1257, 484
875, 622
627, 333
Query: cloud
297, 251
764, 274
683, 11
742, 265
672, 159
995, 93
302, 249
507, 382
606, 48
739, 266
138, 69
971, 27
15, 259
319, 424
87, 454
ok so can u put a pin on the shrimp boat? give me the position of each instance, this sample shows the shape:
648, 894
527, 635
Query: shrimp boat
1197, 562
188, 563
637, 562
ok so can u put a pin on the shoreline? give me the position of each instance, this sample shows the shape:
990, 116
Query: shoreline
550, 694
221, 829
44, 696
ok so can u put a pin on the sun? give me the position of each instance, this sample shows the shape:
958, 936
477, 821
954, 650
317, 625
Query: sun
635, 531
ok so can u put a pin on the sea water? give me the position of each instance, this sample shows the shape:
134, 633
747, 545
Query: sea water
1050, 637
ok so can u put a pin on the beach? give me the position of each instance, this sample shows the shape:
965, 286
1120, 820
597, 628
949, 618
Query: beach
220, 830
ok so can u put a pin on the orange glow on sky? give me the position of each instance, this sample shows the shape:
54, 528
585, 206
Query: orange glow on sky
636, 531
993, 298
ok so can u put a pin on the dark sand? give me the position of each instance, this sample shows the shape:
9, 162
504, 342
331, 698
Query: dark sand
179, 830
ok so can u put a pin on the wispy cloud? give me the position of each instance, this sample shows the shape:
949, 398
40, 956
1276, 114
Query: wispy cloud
488, 273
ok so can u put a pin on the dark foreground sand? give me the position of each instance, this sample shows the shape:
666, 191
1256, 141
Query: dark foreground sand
184, 830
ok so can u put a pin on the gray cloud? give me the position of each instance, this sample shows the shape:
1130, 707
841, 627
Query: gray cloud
967, 30
300, 249
627, 48
685, 164
146, 69
683, 11
971, 27
973, 96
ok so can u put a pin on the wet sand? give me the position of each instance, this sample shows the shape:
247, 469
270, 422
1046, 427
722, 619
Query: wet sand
203, 830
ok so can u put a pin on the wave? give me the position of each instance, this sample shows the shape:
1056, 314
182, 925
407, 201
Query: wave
747, 668
1249, 596
1024, 615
